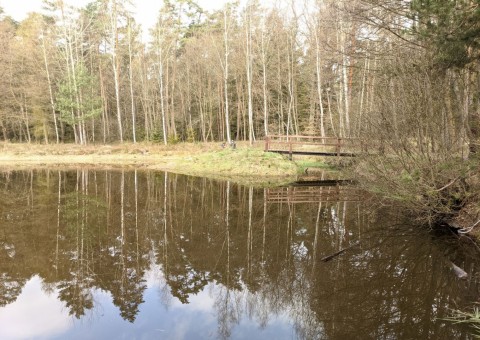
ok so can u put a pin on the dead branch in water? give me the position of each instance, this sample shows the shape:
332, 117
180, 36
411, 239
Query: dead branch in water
341, 251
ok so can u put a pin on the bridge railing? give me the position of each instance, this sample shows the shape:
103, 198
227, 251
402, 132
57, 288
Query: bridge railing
297, 144
313, 194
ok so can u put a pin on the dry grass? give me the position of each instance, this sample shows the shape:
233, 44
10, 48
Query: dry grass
245, 164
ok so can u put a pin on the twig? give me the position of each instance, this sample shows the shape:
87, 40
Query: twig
463, 231
341, 251
446, 186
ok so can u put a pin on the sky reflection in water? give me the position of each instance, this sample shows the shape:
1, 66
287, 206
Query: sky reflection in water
45, 317
142, 255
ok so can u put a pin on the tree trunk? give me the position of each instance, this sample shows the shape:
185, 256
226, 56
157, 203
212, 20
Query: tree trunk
251, 135
132, 98
50, 91
318, 67
225, 78
116, 67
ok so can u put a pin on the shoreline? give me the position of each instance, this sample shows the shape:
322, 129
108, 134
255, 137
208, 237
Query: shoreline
246, 164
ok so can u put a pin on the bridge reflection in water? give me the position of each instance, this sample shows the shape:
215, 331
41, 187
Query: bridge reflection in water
141, 254
315, 192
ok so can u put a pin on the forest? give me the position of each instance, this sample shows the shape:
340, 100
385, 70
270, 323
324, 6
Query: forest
402, 69
400, 75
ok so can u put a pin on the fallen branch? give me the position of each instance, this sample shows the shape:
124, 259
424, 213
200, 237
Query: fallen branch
341, 251
466, 231
446, 186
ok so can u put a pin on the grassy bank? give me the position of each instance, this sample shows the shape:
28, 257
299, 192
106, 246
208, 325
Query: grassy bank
245, 164
434, 191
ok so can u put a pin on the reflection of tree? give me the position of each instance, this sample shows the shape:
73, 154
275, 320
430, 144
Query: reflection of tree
77, 296
10, 288
128, 283
109, 228
185, 282
81, 213
403, 289
128, 294
179, 274
228, 304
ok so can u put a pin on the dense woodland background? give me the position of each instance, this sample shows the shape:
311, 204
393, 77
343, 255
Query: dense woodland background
403, 72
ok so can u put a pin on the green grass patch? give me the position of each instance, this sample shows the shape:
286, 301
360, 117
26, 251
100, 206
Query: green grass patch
241, 165
472, 319
303, 165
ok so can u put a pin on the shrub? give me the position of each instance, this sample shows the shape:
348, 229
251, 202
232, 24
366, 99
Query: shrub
191, 135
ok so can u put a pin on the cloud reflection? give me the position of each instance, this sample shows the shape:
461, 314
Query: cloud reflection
33, 314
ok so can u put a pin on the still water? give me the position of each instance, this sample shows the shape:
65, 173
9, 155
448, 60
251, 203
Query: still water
93, 254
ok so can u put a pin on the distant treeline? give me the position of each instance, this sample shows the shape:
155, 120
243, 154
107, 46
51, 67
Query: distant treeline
397, 70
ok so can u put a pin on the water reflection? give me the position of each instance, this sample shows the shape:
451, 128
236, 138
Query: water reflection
143, 254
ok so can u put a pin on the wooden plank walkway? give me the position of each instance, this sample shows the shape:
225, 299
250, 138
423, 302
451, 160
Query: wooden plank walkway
312, 145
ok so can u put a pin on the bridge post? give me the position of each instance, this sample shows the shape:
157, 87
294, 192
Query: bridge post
290, 151
267, 141
339, 140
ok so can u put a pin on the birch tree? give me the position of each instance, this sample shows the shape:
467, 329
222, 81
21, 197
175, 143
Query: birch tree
249, 70
163, 43
130, 78
226, 29
111, 8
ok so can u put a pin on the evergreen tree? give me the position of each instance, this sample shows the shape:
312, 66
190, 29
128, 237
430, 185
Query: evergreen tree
451, 28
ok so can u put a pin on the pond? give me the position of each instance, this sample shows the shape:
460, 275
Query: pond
95, 254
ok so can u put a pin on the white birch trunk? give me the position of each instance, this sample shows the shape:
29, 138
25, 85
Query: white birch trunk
50, 91
162, 99
265, 92
115, 66
319, 83
225, 78
251, 135
134, 135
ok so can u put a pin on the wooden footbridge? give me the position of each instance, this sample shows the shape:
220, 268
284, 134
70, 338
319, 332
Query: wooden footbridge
313, 145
